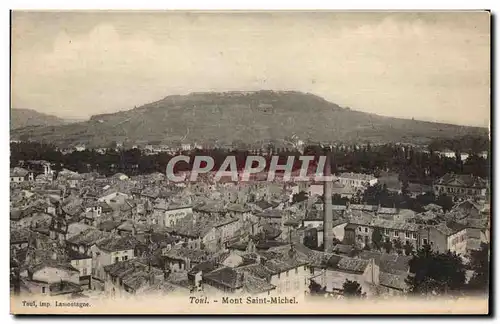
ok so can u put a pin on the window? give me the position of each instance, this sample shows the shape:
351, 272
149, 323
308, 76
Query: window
116, 259
396, 233
366, 229
43, 290
125, 258
407, 234
359, 228
424, 241
414, 235
84, 271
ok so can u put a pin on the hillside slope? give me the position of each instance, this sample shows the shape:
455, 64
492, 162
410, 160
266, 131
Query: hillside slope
20, 118
248, 117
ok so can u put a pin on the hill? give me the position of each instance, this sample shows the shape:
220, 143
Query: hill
242, 117
20, 118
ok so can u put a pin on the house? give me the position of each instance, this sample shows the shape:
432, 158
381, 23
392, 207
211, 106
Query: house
18, 175
461, 186
58, 228
228, 280
416, 189
76, 228
109, 226
444, 237
131, 277
393, 284
181, 258
113, 197
337, 269
360, 231
288, 269
357, 180
168, 215
388, 262
28, 218
84, 241
82, 263
239, 211
466, 209
53, 279
19, 238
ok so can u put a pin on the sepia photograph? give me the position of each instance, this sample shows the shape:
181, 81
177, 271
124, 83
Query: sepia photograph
250, 162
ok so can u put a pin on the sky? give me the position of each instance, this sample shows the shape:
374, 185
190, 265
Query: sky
433, 66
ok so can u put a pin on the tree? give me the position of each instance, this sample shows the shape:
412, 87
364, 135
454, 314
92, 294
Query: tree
315, 288
436, 273
480, 264
352, 289
445, 201
408, 248
398, 245
299, 197
377, 238
388, 246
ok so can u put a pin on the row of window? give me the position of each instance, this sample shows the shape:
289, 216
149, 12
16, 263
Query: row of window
124, 258
388, 232
458, 239
408, 234
83, 262
457, 190
287, 272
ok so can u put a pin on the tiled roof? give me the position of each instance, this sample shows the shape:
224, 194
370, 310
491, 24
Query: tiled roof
254, 285
133, 273
18, 172
352, 265
75, 255
64, 287
227, 277
237, 208
89, 237
109, 225
204, 267
257, 270
390, 263
118, 244
263, 204
180, 253
343, 248
395, 281
402, 226
19, 236
275, 213
52, 264
462, 180
356, 176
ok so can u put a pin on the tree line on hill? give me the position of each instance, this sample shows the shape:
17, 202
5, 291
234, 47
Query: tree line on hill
411, 164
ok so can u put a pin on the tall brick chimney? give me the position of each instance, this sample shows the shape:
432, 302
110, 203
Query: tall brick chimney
327, 208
